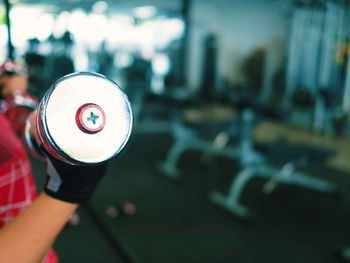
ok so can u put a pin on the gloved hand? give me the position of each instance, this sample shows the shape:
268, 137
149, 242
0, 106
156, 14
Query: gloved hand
66, 182
72, 183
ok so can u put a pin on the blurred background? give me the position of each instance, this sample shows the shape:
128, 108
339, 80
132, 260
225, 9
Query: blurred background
240, 146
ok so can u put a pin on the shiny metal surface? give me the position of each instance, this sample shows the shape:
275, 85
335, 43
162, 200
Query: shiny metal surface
84, 118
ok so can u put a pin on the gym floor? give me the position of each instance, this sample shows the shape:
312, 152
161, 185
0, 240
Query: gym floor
175, 222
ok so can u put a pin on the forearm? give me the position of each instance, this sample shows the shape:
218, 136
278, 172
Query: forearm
27, 238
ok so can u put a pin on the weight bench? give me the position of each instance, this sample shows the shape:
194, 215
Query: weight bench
253, 163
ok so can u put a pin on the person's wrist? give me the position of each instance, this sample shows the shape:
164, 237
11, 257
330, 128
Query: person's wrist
72, 183
46, 196
65, 197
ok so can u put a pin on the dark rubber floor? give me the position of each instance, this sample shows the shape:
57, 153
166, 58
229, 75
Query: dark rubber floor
175, 222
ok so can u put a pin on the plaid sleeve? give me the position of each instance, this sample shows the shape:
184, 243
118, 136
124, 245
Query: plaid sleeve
17, 185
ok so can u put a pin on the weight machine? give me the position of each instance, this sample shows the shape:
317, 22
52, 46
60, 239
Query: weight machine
317, 85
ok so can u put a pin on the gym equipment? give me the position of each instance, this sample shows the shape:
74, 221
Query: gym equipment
287, 174
237, 124
190, 138
112, 211
343, 255
58, 62
138, 84
17, 107
122, 208
35, 62
128, 208
317, 64
31, 139
83, 119
209, 73
252, 162
74, 220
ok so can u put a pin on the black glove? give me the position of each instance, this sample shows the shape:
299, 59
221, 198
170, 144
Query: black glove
71, 183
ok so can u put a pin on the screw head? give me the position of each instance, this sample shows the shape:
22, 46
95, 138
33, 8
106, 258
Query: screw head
90, 118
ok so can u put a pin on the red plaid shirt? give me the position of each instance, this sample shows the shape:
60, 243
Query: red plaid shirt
17, 185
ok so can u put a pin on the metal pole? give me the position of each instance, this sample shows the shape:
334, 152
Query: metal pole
185, 12
10, 48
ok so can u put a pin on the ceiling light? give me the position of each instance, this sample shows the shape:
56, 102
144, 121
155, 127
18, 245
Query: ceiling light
100, 7
144, 12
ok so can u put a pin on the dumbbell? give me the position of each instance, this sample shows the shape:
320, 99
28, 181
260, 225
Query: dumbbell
17, 107
84, 118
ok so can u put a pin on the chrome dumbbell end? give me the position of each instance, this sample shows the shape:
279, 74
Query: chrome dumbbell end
30, 142
84, 119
